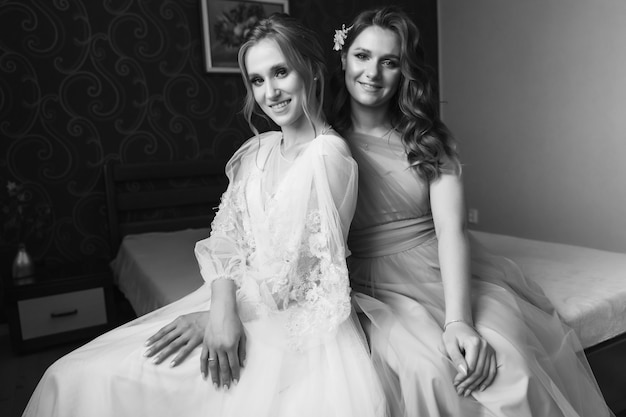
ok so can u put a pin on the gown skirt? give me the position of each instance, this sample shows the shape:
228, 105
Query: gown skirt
109, 376
542, 370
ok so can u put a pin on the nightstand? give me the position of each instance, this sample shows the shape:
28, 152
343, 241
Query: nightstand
59, 304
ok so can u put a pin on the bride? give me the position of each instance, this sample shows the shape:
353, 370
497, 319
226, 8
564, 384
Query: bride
280, 338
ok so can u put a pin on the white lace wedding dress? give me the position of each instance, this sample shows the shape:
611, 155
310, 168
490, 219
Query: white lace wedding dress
280, 234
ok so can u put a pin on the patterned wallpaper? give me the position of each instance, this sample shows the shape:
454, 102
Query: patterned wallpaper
83, 82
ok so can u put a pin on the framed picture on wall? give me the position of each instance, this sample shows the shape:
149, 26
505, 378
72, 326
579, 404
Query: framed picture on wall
225, 24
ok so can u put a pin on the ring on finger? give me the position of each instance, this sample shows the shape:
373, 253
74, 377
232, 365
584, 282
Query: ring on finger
212, 359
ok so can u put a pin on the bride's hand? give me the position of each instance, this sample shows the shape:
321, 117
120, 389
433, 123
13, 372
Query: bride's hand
224, 345
179, 337
473, 357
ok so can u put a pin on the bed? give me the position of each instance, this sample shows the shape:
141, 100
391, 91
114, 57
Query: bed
155, 264
588, 289
156, 213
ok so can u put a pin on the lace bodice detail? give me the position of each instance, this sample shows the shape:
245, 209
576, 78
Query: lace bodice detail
286, 251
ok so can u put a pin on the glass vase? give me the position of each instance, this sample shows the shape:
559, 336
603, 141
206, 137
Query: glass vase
23, 265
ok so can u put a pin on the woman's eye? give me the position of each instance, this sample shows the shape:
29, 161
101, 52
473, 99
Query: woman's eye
360, 56
281, 72
390, 63
256, 82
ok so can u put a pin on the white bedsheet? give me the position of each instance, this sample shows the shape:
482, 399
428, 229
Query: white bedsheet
155, 269
587, 286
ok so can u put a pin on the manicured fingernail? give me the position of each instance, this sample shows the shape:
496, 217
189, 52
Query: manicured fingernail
467, 393
155, 359
483, 387
225, 387
172, 364
235, 382
216, 386
463, 369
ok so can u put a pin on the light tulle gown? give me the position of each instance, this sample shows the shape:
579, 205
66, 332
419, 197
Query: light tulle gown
395, 273
280, 233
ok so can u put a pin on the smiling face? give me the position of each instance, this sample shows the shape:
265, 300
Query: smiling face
277, 88
372, 67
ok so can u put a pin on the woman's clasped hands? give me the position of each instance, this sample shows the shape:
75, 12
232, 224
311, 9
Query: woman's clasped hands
472, 356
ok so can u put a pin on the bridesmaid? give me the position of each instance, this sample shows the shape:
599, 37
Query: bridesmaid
453, 330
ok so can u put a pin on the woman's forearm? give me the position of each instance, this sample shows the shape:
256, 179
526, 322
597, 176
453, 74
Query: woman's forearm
454, 262
223, 296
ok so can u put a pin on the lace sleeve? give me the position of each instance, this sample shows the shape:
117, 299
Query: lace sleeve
223, 254
322, 288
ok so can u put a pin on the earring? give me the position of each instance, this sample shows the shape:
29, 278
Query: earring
314, 78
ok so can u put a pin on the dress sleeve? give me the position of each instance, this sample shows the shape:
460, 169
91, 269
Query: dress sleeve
341, 174
223, 253
323, 289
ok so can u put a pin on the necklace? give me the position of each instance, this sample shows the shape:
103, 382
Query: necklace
388, 133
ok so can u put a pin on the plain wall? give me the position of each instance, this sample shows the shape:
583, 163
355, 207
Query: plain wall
535, 92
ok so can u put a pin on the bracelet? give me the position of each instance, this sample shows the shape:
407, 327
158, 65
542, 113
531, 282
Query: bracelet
456, 321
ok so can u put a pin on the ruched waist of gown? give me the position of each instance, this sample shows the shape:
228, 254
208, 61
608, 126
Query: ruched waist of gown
389, 238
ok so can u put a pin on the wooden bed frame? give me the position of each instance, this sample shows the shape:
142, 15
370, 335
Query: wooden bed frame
153, 197
608, 362
164, 196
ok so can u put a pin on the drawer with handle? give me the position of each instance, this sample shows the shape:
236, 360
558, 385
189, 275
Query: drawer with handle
61, 313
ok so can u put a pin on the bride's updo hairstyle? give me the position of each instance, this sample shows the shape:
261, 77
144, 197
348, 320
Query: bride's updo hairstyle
303, 53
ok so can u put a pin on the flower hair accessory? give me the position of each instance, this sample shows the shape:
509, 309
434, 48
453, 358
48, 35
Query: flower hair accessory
340, 37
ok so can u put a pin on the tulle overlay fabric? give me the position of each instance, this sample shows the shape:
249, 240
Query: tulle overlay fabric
280, 234
395, 275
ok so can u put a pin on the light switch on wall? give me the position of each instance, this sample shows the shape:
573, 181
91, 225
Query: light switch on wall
472, 216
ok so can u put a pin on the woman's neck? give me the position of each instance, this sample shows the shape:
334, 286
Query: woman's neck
369, 120
294, 138
302, 133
